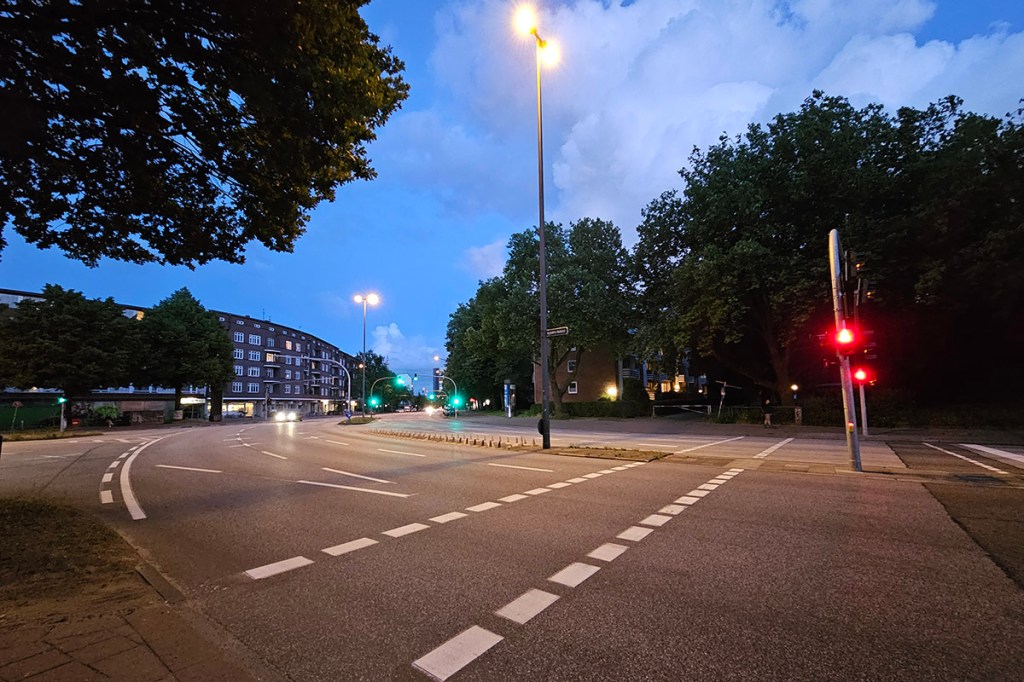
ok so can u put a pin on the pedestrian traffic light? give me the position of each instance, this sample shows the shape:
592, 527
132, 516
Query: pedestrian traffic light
61, 400
847, 341
863, 376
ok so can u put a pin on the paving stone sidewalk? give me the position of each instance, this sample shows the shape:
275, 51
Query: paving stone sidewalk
151, 644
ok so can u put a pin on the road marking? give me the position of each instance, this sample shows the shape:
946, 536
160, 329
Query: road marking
205, 471
556, 486
997, 453
106, 497
349, 473
698, 493
592, 475
400, 452
273, 455
336, 442
608, 551
450, 516
967, 459
708, 445
707, 486
227, 439
405, 530
765, 453
735, 471
483, 507
635, 533
537, 491
126, 485
457, 653
513, 498
672, 509
718, 480
656, 520
122, 440
278, 567
359, 490
606, 471
578, 480
574, 574
115, 463
527, 606
657, 445
108, 477
689, 499
513, 466
622, 468
347, 547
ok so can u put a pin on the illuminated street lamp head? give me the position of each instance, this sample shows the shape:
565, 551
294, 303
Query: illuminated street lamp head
371, 299
526, 20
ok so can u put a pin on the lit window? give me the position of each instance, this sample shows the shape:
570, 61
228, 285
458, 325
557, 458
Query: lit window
255, 339
239, 337
287, 345
239, 370
572, 388
236, 387
239, 353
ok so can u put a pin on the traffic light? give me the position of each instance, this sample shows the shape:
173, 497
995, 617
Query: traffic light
399, 381
432, 395
374, 401
61, 400
847, 341
456, 400
863, 376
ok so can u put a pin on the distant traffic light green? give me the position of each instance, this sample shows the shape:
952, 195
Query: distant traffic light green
61, 400
456, 400
374, 401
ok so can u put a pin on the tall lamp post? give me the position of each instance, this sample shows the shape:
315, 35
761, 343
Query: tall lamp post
371, 299
526, 23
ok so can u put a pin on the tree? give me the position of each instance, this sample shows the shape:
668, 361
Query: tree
182, 343
179, 131
376, 368
65, 341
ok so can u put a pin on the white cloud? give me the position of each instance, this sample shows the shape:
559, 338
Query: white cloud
642, 83
403, 354
486, 261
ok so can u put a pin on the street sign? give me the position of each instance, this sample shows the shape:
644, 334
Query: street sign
17, 403
558, 331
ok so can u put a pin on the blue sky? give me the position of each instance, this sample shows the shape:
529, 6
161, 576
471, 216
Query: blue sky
639, 84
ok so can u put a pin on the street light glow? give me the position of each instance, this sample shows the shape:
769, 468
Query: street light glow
525, 20
550, 54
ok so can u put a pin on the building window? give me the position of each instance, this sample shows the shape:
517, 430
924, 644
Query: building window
239, 322
257, 325
296, 391
571, 366
287, 359
287, 374
255, 355
572, 388
298, 346
287, 388
239, 353
220, 318
287, 345
239, 370
239, 337
236, 386
298, 375
270, 372
271, 329
254, 339
254, 371
270, 342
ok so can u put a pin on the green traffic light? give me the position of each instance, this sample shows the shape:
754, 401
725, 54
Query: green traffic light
374, 401
61, 400
456, 401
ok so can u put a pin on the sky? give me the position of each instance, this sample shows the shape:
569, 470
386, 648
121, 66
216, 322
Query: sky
639, 84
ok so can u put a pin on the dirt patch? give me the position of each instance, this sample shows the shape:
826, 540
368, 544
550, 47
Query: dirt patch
56, 562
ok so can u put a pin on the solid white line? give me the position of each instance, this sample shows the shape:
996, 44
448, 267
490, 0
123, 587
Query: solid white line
108, 477
405, 530
527, 606
399, 452
126, 485
349, 473
359, 490
996, 453
513, 466
608, 551
578, 480
513, 498
537, 491
273, 455
483, 507
635, 533
708, 445
556, 486
967, 459
656, 520
347, 547
573, 574
261, 572
205, 471
336, 442
106, 497
457, 653
765, 453
450, 516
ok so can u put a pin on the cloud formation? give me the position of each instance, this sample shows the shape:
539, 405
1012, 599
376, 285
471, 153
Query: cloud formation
403, 354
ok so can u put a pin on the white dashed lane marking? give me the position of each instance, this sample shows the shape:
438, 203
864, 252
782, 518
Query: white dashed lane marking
457, 652
349, 473
635, 533
513, 498
205, 471
106, 497
400, 452
574, 574
513, 466
527, 606
608, 551
483, 507
347, 547
272, 454
538, 491
278, 567
707, 445
451, 516
656, 520
765, 453
405, 530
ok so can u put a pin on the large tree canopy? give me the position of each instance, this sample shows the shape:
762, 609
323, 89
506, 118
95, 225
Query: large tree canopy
178, 131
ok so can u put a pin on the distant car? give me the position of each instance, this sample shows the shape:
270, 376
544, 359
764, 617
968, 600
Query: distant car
448, 411
288, 416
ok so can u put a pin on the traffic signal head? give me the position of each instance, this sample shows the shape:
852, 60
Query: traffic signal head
374, 401
61, 400
847, 341
432, 395
863, 375
456, 400
399, 381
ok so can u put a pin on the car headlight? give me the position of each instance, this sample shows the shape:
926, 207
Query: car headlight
291, 416
280, 416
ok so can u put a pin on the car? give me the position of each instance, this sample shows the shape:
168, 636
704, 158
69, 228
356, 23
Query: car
449, 411
288, 416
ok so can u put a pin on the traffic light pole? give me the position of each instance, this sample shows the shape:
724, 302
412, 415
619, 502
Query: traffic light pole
845, 377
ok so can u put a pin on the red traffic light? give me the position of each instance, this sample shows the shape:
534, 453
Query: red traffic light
863, 375
845, 338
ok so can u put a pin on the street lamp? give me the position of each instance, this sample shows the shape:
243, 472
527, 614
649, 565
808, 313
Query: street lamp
371, 299
526, 23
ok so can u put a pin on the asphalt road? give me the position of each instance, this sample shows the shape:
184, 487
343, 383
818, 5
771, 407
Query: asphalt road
334, 553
